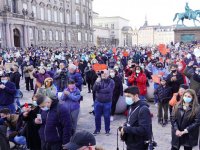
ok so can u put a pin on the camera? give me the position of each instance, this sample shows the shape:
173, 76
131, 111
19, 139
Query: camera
99, 73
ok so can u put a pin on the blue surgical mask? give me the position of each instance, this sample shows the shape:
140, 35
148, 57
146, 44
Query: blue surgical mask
187, 99
35, 103
4, 81
129, 100
45, 108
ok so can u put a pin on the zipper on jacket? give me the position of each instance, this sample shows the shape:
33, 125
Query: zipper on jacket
45, 137
57, 132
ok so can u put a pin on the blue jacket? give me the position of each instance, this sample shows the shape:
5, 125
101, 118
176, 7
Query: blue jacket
56, 124
7, 95
104, 90
72, 100
77, 78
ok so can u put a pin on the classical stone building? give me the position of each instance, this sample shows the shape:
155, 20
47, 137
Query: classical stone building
46, 23
153, 34
112, 31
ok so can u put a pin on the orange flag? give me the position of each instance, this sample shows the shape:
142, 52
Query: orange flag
155, 79
99, 67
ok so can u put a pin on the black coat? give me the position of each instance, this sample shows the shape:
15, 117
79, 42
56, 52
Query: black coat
164, 94
181, 121
15, 78
31, 132
175, 84
140, 128
118, 90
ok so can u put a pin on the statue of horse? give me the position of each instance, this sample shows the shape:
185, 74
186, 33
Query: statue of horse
182, 16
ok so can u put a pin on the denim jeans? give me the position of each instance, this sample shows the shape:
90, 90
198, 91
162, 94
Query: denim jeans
105, 110
11, 107
156, 85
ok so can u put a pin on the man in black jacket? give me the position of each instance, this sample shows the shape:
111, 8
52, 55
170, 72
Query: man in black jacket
175, 78
138, 128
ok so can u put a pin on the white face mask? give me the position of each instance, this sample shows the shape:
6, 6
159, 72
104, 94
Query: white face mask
137, 71
112, 74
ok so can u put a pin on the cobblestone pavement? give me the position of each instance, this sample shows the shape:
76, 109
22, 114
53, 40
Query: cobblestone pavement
86, 122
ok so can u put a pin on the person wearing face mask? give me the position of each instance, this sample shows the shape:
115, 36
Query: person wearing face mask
54, 122
164, 94
186, 122
139, 79
60, 77
71, 96
175, 78
40, 76
47, 88
118, 90
31, 130
138, 127
177, 96
7, 93
194, 75
103, 89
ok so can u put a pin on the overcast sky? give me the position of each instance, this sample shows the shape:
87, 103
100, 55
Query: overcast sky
157, 11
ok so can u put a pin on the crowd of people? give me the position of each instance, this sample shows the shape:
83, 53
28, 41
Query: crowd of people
56, 77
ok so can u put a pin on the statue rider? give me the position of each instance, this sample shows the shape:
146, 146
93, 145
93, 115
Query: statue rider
188, 11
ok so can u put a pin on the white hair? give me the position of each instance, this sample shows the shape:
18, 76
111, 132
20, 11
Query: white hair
72, 66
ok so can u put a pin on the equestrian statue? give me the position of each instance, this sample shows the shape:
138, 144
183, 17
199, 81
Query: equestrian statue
188, 14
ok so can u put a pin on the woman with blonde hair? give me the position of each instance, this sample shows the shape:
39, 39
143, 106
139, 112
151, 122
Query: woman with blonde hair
186, 122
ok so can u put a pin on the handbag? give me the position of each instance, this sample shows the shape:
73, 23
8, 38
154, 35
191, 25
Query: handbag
173, 101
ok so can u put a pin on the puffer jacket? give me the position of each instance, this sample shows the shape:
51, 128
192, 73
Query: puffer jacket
182, 121
104, 90
164, 94
140, 81
72, 100
56, 124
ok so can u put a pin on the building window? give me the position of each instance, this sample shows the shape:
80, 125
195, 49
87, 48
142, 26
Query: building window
68, 18
83, 2
84, 18
56, 35
61, 17
42, 13
50, 36
0, 32
77, 1
86, 37
13, 4
91, 38
34, 11
62, 36
43, 35
49, 15
25, 6
90, 5
55, 16
79, 36
77, 17
69, 36
31, 33
112, 26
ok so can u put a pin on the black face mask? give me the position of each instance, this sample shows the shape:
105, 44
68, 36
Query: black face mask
173, 71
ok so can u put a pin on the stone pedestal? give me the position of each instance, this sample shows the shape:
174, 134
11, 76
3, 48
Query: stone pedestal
187, 34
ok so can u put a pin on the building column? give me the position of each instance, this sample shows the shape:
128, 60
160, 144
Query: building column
8, 43
19, 6
11, 35
25, 37
28, 37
